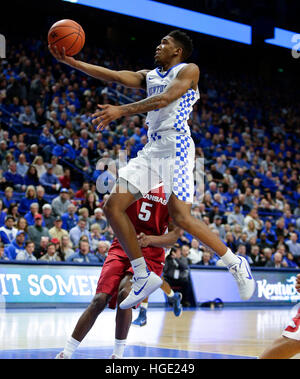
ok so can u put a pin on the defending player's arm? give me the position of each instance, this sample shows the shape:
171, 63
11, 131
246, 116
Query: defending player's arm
127, 78
187, 78
166, 240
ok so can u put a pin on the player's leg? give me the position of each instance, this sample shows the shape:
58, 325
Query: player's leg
123, 319
174, 298
145, 282
282, 348
84, 324
180, 212
141, 320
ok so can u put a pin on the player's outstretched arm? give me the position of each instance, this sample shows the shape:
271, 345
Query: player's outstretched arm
166, 240
127, 78
187, 78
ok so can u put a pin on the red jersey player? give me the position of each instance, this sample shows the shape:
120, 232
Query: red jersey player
288, 344
151, 219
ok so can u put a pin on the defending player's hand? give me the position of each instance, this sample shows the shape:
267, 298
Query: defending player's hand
298, 283
106, 115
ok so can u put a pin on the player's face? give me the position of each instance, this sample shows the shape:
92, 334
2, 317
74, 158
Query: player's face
165, 51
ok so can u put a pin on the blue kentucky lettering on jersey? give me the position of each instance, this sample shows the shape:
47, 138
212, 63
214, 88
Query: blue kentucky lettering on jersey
156, 90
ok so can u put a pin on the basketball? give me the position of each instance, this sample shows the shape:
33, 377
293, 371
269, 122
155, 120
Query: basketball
68, 34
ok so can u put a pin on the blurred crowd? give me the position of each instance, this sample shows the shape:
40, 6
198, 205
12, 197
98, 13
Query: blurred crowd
246, 134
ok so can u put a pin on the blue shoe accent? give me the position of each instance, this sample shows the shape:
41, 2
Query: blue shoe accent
141, 320
177, 307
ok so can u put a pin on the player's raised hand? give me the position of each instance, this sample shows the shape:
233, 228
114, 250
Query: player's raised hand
60, 55
106, 115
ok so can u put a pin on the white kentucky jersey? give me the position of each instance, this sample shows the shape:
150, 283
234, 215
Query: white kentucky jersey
172, 118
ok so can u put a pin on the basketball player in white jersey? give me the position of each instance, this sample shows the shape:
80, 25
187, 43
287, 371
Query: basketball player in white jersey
172, 90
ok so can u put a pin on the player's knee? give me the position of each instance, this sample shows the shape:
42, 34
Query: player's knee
109, 208
99, 302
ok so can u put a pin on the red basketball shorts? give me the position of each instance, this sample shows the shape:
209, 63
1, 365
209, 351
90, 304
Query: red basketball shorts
117, 266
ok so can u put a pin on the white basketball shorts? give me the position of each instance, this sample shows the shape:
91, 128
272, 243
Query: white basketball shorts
167, 159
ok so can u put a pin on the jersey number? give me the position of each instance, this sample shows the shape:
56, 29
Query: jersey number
145, 213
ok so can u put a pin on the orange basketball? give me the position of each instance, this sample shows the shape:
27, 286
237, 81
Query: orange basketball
68, 34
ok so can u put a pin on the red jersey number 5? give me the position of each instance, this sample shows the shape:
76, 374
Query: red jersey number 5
145, 212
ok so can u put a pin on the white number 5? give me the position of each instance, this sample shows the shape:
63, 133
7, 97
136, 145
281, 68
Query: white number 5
145, 213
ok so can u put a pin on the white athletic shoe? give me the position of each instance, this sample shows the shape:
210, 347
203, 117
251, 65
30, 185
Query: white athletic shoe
141, 288
62, 355
245, 281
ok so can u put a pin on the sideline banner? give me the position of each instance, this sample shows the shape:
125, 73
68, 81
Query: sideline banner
272, 286
52, 284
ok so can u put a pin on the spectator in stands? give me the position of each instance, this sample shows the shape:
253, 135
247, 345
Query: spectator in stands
40, 197
51, 255
294, 246
241, 251
42, 249
195, 253
3, 256
70, 218
27, 254
8, 198
236, 216
90, 203
61, 202
269, 231
2, 214
49, 181
48, 217
57, 168
38, 163
65, 179
13, 211
8, 232
250, 229
33, 210
277, 262
253, 216
217, 224
22, 165
66, 247
83, 163
81, 193
57, 231
102, 250
206, 259
99, 219
176, 273
16, 246
96, 236
36, 231
13, 179
83, 255
28, 118
31, 177
30, 197
78, 231
84, 214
